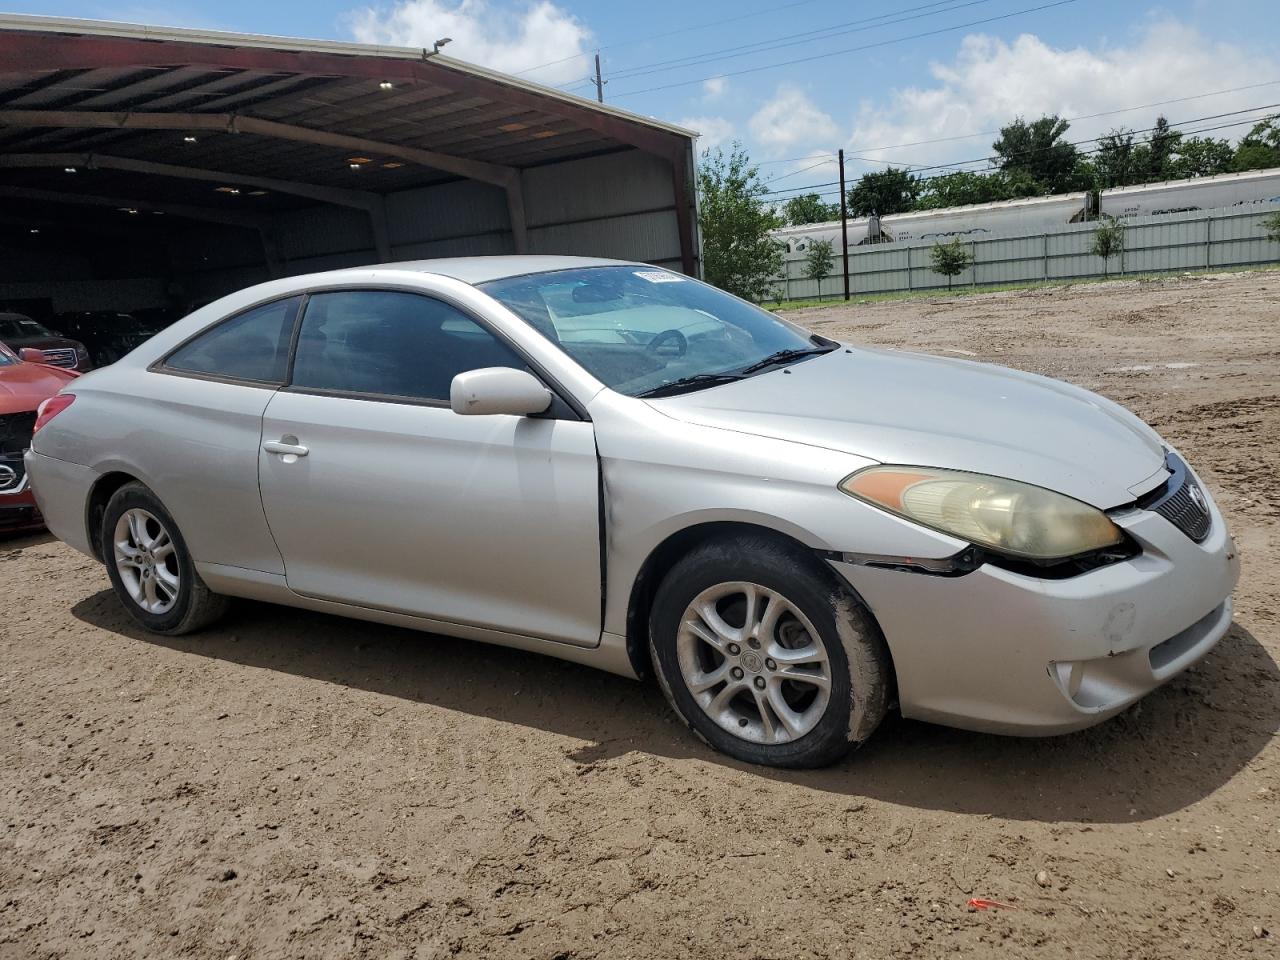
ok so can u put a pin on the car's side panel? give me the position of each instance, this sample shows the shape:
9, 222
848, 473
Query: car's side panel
662, 476
491, 521
194, 442
610, 655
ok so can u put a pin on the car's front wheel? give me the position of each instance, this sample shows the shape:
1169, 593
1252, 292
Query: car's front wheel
766, 656
150, 566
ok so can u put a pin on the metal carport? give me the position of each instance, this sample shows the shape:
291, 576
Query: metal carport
143, 166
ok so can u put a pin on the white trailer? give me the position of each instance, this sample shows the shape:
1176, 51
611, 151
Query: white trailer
1182, 196
1006, 218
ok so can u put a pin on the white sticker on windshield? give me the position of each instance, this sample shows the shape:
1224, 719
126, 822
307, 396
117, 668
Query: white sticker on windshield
659, 276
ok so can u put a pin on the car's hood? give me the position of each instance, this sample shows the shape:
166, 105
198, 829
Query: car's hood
24, 385
912, 409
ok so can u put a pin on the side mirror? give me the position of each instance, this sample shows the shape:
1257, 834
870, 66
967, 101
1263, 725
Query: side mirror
31, 355
498, 390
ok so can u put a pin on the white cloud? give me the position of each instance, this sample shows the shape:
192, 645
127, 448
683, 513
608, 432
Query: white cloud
715, 131
990, 82
714, 88
791, 118
510, 40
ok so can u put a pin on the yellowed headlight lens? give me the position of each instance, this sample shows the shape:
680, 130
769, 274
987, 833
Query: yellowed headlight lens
1008, 516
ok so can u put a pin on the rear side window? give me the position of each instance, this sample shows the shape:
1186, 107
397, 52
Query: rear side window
253, 345
392, 344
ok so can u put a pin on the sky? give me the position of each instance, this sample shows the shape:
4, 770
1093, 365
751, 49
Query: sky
913, 82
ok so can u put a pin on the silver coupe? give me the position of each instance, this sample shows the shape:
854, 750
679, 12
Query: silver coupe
621, 466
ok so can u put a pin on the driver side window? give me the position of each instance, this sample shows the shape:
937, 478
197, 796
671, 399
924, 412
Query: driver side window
385, 343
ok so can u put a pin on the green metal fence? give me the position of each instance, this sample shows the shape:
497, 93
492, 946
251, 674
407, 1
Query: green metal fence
1175, 242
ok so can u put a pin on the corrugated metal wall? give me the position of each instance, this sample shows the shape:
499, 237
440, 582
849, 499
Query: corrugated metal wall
617, 205
1167, 243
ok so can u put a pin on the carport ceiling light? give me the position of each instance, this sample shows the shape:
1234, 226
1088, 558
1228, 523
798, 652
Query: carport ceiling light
68, 169
512, 127
358, 161
188, 139
392, 165
234, 191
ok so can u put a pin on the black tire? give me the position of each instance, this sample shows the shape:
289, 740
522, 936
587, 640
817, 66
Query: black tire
195, 605
861, 674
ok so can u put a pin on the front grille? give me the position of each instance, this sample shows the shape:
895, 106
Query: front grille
15, 437
15, 431
1181, 501
13, 474
60, 357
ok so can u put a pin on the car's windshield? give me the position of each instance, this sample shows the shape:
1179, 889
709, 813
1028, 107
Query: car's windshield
638, 329
15, 327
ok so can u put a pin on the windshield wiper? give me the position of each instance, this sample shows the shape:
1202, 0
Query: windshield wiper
690, 383
784, 356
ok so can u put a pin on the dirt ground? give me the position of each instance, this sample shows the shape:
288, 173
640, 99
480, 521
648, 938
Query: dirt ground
295, 785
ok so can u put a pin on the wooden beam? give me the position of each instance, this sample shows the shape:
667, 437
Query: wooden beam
360, 199
232, 218
516, 213
23, 52
681, 173
233, 123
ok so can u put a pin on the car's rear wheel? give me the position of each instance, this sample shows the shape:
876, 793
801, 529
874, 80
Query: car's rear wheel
765, 655
150, 567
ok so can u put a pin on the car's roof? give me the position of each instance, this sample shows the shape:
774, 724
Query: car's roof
483, 269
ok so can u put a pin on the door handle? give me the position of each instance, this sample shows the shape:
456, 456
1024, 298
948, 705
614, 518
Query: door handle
285, 449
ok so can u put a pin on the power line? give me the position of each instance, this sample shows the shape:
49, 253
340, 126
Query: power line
670, 33
837, 53
1087, 116
791, 192
1074, 143
796, 173
816, 156
795, 39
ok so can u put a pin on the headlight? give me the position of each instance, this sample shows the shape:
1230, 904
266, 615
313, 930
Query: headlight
1009, 517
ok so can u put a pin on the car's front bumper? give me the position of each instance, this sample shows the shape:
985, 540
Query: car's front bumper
1001, 652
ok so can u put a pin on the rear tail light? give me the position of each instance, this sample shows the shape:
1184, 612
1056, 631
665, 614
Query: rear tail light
51, 408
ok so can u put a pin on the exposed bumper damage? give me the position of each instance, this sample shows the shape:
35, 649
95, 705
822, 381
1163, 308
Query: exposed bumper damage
1002, 652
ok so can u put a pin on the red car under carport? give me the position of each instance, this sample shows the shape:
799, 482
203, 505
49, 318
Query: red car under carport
25, 383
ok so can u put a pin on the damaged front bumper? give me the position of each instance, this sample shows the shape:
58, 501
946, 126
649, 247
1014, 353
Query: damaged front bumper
1000, 651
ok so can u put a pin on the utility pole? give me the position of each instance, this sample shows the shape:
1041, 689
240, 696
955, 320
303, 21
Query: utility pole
599, 80
844, 227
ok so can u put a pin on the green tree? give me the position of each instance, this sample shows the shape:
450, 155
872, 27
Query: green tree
950, 259
809, 208
1113, 164
1260, 148
739, 254
966, 187
884, 192
1272, 227
1108, 242
1161, 146
1038, 149
818, 264
1202, 157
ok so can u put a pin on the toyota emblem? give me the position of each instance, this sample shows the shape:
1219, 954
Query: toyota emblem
1197, 497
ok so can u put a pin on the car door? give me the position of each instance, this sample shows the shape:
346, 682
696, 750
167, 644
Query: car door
193, 430
379, 495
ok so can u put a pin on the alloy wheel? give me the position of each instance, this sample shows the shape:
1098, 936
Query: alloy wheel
753, 662
147, 561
